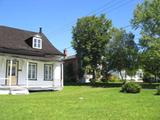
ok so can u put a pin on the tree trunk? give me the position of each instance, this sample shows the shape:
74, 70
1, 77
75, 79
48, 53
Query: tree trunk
122, 77
94, 74
155, 78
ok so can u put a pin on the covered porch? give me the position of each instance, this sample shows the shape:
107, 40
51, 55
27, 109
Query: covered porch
18, 73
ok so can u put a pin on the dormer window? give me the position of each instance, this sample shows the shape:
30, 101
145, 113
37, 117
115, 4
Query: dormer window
37, 42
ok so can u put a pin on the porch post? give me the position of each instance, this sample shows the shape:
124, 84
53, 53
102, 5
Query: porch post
27, 75
62, 74
10, 74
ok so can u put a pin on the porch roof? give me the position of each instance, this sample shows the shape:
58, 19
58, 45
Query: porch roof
46, 58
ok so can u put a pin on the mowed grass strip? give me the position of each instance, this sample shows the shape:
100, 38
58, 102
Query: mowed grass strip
81, 103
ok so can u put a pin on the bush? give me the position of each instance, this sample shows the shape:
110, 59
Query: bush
92, 81
111, 78
158, 90
131, 87
114, 78
104, 80
150, 78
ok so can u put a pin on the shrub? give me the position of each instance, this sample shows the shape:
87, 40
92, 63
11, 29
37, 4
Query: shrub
104, 80
150, 78
111, 78
158, 90
92, 81
131, 87
147, 77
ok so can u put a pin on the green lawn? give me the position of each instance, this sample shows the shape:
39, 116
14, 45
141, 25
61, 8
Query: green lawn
81, 103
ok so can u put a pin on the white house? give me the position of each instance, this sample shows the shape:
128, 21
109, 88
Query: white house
137, 77
28, 60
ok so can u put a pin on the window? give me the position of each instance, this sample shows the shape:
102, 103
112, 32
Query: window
14, 68
48, 72
140, 75
37, 43
32, 71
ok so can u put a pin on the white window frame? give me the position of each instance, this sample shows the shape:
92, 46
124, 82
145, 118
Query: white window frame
32, 71
48, 76
37, 43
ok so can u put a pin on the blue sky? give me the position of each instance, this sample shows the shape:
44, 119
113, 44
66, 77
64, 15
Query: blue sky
57, 17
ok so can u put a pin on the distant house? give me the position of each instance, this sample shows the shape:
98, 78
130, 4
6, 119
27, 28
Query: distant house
71, 69
28, 59
137, 77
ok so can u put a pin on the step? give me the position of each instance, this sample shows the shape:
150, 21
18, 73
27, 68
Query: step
14, 91
19, 91
4, 92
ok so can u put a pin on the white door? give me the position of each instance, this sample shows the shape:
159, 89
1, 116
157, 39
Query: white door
14, 74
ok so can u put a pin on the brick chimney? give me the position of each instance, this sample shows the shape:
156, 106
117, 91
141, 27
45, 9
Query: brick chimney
40, 30
65, 53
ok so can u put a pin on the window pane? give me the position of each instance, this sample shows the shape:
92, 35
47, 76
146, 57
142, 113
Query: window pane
45, 72
48, 72
29, 75
33, 75
29, 71
33, 67
8, 70
38, 45
35, 42
32, 71
39, 41
13, 70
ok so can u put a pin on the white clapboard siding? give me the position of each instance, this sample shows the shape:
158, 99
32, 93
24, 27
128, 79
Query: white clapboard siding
22, 73
2, 70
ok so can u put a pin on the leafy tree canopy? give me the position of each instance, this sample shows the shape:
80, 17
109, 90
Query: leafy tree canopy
122, 52
147, 18
90, 37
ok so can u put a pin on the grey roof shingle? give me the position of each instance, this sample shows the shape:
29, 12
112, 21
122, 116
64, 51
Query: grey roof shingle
15, 41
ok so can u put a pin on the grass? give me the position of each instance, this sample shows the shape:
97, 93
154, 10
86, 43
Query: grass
115, 84
81, 103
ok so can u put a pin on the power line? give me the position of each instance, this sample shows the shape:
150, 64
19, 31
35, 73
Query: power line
106, 4
127, 26
112, 8
103, 8
67, 48
121, 27
109, 6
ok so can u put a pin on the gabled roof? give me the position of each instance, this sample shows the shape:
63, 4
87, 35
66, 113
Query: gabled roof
15, 41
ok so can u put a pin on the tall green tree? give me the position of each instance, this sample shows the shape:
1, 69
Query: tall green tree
147, 19
151, 62
90, 37
122, 52
132, 55
116, 51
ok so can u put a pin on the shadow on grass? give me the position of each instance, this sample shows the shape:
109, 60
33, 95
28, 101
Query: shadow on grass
36, 91
103, 85
157, 94
109, 85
